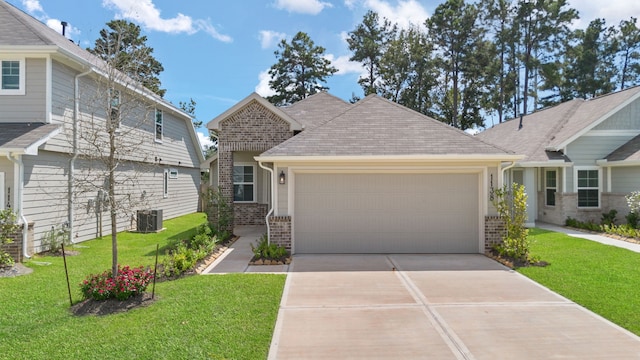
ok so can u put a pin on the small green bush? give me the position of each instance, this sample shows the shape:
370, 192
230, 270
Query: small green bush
54, 238
632, 219
265, 250
511, 204
609, 218
7, 227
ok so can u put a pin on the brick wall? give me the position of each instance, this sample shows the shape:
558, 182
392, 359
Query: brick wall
15, 248
493, 232
252, 128
250, 214
280, 230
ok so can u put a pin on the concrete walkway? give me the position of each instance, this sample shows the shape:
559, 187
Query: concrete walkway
236, 258
593, 237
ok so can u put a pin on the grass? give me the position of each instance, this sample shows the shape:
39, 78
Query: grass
214, 317
604, 279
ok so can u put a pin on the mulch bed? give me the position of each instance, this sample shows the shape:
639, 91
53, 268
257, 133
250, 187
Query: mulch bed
111, 306
511, 262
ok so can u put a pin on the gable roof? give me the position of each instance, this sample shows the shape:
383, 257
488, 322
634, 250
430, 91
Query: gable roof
316, 109
547, 132
21, 32
376, 127
25, 138
214, 124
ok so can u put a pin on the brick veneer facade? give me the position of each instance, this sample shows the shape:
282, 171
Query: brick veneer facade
280, 230
250, 214
567, 206
493, 232
252, 128
15, 248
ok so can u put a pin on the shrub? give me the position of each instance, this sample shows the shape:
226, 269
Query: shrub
632, 219
512, 208
129, 282
609, 218
54, 238
7, 227
265, 250
219, 210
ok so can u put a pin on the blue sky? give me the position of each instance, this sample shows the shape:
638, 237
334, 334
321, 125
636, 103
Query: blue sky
218, 52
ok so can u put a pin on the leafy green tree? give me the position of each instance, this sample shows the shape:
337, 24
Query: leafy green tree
300, 70
422, 77
122, 45
368, 42
190, 108
629, 52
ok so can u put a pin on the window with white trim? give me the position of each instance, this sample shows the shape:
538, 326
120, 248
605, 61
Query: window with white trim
244, 189
551, 186
12, 77
159, 121
588, 187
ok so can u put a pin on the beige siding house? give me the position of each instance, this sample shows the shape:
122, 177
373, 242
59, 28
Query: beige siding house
582, 157
52, 92
327, 176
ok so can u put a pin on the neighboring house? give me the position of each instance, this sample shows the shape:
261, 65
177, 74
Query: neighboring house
582, 157
49, 96
369, 177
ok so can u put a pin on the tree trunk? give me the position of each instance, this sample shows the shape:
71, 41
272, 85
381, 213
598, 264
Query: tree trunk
112, 201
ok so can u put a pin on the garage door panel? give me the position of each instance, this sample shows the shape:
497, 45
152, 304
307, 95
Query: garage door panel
386, 213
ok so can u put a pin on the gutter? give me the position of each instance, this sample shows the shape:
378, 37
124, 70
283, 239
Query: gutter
273, 191
72, 161
18, 201
502, 170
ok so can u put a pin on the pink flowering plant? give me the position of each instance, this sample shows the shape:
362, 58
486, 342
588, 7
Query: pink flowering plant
129, 282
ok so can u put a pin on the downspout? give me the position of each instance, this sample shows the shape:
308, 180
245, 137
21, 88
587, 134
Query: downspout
72, 161
273, 191
18, 202
502, 170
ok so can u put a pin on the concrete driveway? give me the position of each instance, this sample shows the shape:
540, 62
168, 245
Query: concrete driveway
433, 307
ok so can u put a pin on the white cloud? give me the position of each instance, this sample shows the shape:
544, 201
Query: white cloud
205, 140
405, 13
350, 4
270, 38
613, 11
70, 31
263, 88
312, 7
344, 65
146, 13
32, 6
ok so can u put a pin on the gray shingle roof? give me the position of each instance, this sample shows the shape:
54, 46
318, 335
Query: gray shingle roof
316, 109
627, 152
21, 136
377, 127
552, 128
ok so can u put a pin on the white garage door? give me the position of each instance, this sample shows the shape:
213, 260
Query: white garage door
386, 213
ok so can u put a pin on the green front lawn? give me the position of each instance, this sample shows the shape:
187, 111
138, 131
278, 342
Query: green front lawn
213, 317
604, 279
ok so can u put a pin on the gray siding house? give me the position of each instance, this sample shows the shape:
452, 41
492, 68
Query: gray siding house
582, 157
52, 131
327, 176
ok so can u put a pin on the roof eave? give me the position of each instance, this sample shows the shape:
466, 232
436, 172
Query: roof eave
549, 163
452, 158
617, 163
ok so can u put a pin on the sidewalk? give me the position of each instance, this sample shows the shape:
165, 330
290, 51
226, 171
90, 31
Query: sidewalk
593, 237
236, 258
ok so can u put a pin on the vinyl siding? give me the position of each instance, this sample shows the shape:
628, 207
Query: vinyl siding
586, 150
625, 119
45, 196
625, 179
30, 107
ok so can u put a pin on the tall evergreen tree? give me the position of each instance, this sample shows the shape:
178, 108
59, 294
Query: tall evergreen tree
122, 45
629, 53
454, 32
368, 42
300, 70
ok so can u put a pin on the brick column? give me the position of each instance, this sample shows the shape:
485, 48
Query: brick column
493, 232
280, 231
15, 248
